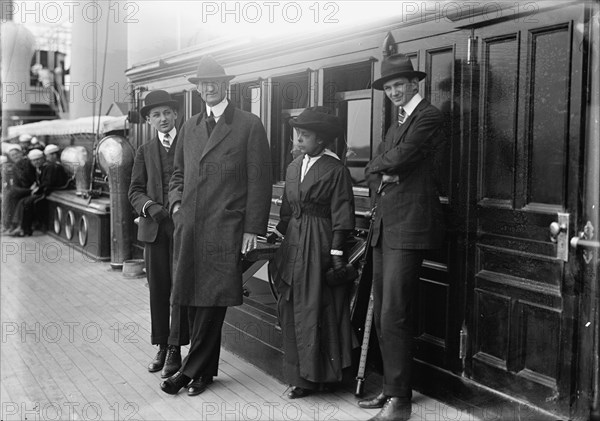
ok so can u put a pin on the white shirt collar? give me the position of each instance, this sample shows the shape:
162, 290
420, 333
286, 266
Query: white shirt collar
172, 134
412, 104
308, 161
218, 109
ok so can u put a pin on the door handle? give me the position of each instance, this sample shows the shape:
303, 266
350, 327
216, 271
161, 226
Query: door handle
559, 234
584, 240
556, 229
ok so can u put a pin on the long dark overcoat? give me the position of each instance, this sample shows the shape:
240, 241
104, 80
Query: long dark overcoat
224, 185
320, 327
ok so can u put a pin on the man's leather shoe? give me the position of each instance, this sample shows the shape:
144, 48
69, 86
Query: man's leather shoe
394, 409
298, 392
159, 360
375, 402
172, 361
198, 386
174, 383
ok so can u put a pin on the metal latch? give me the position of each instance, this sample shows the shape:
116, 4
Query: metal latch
559, 234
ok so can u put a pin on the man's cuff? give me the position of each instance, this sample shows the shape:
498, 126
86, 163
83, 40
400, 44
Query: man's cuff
148, 203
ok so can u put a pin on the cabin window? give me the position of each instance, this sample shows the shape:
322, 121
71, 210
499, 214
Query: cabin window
196, 103
290, 95
180, 98
247, 96
347, 93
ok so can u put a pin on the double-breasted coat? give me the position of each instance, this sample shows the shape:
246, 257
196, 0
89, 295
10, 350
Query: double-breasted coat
223, 183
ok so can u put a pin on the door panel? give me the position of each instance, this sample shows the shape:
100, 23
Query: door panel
441, 306
522, 294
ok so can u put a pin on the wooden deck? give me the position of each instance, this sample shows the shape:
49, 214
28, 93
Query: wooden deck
75, 345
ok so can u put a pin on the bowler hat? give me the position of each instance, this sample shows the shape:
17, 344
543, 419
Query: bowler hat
319, 120
156, 99
395, 66
208, 70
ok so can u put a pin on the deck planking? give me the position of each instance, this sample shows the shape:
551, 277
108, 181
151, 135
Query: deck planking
75, 345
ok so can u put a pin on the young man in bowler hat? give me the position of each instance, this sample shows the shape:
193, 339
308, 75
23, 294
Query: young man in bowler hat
148, 193
220, 195
408, 221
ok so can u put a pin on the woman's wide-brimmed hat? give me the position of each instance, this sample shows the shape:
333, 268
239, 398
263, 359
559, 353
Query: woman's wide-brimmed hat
156, 99
319, 120
395, 66
209, 70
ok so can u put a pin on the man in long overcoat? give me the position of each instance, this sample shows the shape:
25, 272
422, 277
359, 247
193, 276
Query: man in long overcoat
220, 198
408, 221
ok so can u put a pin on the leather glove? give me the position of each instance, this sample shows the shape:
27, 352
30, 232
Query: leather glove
272, 238
338, 263
157, 212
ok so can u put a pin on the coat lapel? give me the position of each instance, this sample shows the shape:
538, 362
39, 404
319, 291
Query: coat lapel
221, 130
316, 171
155, 158
402, 128
200, 138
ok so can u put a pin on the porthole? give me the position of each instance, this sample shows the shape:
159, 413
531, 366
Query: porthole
58, 216
83, 230
70, 225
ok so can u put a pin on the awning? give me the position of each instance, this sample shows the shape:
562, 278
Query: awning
63, 127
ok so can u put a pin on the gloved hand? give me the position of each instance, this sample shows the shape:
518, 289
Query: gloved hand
338, 263
272, 238
157, 212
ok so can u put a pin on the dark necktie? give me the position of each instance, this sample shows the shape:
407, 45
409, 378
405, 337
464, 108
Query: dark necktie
210, 123
401, 115
166, 141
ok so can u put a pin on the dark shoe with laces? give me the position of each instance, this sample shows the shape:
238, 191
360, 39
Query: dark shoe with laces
199, 385
159, 360
174, 383
172, 361
394, 409
298, 392
374, 402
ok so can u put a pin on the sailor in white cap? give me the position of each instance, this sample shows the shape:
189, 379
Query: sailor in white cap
25, 141
51, 152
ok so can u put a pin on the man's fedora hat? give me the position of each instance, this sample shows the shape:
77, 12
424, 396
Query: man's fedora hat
156, 99
395, 66
319, 120
208, 70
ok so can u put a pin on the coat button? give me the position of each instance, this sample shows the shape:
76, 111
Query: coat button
383, 193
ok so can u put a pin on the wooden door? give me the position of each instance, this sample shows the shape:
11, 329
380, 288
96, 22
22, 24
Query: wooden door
441, 304
522, 294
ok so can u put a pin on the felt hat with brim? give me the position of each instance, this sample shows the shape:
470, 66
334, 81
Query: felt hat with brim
35, 154
50, 149
319, 120
396, 66
209, 70
25, 138
156, 99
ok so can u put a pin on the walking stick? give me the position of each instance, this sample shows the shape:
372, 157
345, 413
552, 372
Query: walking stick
364, 348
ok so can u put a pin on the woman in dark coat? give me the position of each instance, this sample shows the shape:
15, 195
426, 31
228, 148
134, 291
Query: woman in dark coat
317, 214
